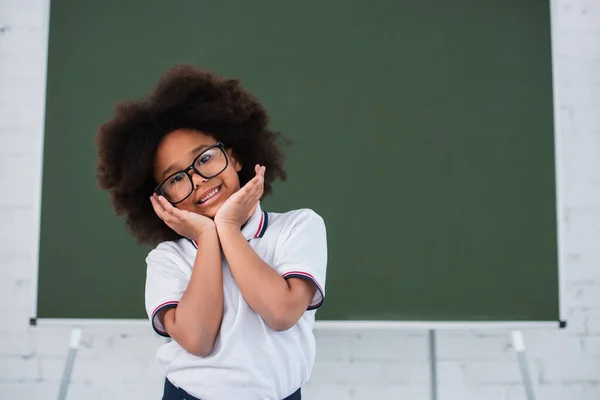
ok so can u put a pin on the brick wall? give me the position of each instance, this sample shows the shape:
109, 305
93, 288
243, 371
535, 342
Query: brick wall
117, 362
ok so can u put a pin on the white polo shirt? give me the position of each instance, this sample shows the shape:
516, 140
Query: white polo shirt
249, 360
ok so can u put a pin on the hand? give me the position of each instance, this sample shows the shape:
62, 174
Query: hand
186, 223
240, 206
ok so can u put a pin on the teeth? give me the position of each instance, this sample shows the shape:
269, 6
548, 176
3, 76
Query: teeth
211, 194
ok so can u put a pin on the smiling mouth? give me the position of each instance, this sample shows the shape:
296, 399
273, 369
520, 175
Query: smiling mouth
210, 195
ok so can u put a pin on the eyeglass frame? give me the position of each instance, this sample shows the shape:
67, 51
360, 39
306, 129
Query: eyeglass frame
158, 189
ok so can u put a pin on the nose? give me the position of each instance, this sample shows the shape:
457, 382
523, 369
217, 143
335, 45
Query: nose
196, 178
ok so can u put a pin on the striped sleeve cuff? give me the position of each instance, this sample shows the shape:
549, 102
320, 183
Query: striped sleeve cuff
158, 327
319, 298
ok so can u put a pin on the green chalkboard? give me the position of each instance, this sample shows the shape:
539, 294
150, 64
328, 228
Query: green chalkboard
423, 134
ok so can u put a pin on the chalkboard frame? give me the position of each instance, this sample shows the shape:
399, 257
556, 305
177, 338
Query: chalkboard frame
429, 324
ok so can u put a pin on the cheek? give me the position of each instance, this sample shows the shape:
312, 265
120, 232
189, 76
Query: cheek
187, 205
231, 179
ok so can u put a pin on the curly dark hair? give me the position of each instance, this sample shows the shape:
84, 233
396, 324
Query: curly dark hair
185, 97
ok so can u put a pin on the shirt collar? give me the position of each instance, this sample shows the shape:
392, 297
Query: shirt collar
255, 227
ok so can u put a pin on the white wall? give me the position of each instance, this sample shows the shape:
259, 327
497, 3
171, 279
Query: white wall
118, 363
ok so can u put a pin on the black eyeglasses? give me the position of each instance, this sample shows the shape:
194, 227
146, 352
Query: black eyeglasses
179, 185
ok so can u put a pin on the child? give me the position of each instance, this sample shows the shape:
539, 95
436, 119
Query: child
235, 287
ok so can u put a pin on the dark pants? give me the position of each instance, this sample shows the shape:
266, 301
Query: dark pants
174, 393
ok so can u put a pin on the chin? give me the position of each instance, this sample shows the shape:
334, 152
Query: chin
209, 212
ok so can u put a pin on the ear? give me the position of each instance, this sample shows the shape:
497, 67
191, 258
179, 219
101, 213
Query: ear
237, 165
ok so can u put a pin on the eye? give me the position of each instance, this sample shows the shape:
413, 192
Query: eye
176, 179
205, 158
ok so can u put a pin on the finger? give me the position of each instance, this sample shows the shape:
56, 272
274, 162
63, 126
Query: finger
260, 170
258, 180
248, 187
167, 218
250, 195
158, 208
171, 214
164, 216
166, 205
255, 193
249, 191
253, 184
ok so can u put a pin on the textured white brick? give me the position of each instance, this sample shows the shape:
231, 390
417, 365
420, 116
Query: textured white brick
584, 293
574, 391
89, 390
333, 346
370, 373
50, 342
15, 319
387, 346
582, 267
19, 368
581, 17
476, 347
17, 118
14, 223
16, 292
102, 369
497, 372
18, 179
389, 392
17, 139
348, 373
124, 345
15, 344
581, 92
591, 347
476, 392
328, 392
450, 373
543, 345
593, 321
78, 391
21, 11
30, 390
582, 153
582, 71
577, 321
573, 370
407, 373
583, 226
51, 367
16, 266
581, 197
584, 46
15, 302
579, 120
90, 369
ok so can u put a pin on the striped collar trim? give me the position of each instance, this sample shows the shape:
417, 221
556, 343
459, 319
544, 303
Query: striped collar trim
256, 226
262, 226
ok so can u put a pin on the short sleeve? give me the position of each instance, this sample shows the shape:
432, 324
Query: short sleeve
165, 283
302, 252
